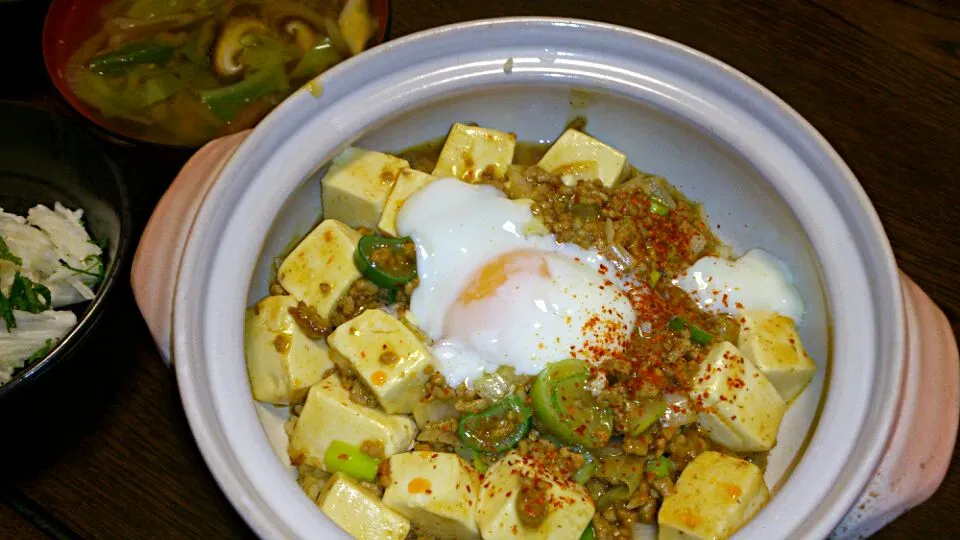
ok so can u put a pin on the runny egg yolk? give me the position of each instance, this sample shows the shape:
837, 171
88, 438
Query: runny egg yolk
492, 276
528, 308
491, 295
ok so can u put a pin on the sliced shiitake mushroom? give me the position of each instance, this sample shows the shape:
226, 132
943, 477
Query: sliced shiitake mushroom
303, 34
227, 51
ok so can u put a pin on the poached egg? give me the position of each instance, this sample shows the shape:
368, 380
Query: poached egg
491, 295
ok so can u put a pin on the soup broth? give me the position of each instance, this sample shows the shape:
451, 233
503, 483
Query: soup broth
182, 72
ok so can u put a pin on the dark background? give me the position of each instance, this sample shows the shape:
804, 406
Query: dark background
102, 449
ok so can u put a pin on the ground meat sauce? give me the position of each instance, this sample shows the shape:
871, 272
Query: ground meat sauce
533, 501
651, 246
658, 360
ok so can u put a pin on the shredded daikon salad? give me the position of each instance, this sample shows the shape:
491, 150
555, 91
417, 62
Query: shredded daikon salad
47, 261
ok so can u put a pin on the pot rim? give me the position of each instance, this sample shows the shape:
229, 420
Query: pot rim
209, 428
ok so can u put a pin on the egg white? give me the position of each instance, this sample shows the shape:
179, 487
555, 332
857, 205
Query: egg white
547, 302
757, 280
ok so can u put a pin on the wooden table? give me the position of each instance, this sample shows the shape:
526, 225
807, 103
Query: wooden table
106, 452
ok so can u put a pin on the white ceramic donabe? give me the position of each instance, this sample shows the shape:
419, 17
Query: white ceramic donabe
768, 179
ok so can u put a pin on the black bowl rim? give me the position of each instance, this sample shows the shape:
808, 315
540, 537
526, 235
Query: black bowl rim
28, 375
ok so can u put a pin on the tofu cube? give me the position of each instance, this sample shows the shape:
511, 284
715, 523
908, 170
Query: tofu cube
740, 408
408, 182
577, 156
771, 342
715, 496
330, 415
436, 491
359, 512
321, 269
356, 187
570, 506
282, 362
471, 151
387, 356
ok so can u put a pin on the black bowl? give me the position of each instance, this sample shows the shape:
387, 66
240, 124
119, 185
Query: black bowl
46, 158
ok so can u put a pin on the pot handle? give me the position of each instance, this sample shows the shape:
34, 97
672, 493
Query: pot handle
921, 444
156, 264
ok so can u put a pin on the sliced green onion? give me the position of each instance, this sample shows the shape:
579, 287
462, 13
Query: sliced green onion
659, 467
658, 209
541, 395
346, 458
592, 425
122, 59
566, 409
697, 334
588, 533
226, 101
483, 431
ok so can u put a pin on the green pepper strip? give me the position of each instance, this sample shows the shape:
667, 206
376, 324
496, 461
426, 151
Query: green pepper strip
474, 434
697, 335
197, 48
659, 466
226, 101
350, 460
658, 208
588, 533
122, 59
585, 472
590, 426
318, 59
382, 276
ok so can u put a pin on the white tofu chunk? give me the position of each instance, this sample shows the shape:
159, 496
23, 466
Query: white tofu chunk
570, 506
321, 269
739, 408
387, 356
282, 362
715, 496
437, 491
577, 156
408, 182
359, 512
356, 187
771, 342
329, 415
471, 151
